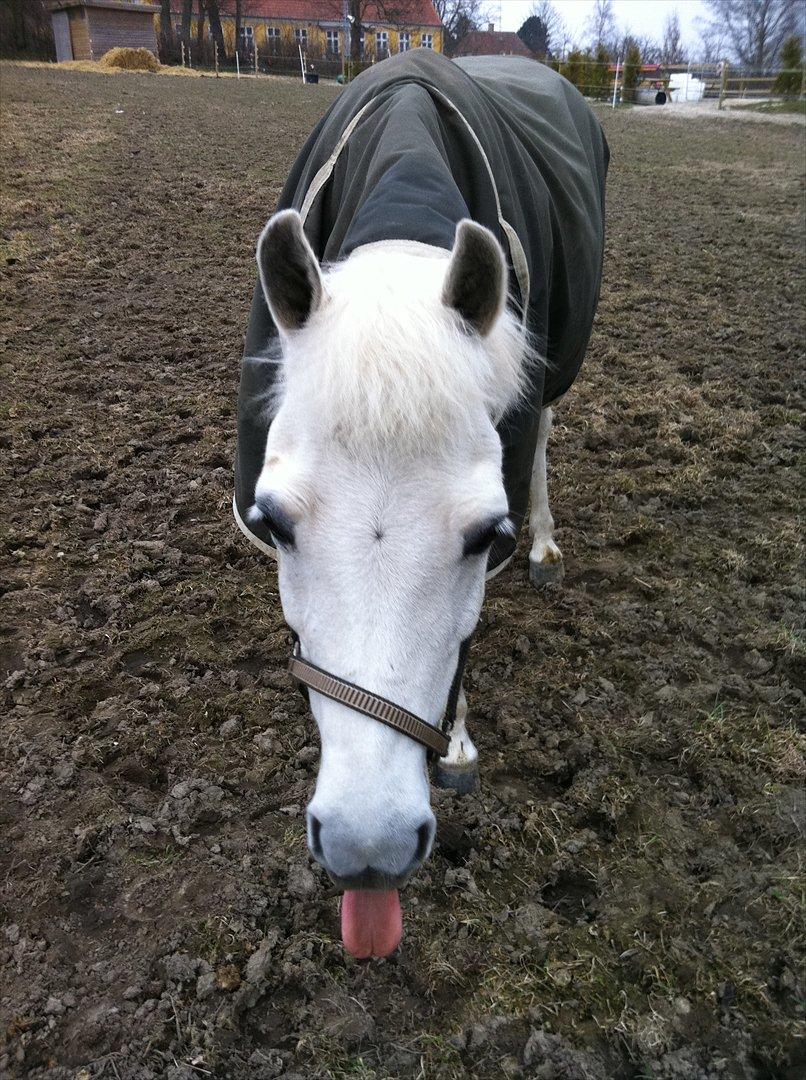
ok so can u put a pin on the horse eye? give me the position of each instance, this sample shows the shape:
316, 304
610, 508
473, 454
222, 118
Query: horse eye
479, 537
277, 520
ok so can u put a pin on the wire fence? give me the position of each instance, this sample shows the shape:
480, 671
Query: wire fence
594, 79
276, 58
661, 83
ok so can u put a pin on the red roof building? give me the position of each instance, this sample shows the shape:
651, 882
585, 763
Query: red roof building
492, 42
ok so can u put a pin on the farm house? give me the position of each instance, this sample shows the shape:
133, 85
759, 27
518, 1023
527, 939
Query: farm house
86, 29
492, 42
279, 26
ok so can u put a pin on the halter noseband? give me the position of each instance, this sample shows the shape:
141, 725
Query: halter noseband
436, 740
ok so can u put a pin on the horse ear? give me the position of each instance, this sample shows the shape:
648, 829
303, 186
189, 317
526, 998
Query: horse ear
289, 272
476, 282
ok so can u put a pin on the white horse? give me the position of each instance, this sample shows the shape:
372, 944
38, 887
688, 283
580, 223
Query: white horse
382, 487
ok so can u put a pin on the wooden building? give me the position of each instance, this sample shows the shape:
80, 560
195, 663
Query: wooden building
86, 29
280, 26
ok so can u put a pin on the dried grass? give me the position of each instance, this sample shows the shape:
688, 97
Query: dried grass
130, 60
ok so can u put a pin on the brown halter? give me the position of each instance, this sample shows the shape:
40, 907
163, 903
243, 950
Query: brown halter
436, 740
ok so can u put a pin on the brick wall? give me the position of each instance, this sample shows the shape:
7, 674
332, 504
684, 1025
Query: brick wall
79, 34
130, 29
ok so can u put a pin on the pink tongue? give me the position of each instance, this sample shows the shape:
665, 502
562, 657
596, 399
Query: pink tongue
371, 922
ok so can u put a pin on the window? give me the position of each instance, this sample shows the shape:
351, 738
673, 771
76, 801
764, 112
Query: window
301, 36
361, 44
404, 39
332, 42
427, 41
273, 39
381, 43
247, 35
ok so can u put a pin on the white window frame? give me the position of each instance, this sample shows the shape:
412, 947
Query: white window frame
427, 41
247, 34
333, 43
403, 41
381, 42
301, 36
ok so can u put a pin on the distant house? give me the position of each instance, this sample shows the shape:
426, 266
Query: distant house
86, 29
492, 42
280, 26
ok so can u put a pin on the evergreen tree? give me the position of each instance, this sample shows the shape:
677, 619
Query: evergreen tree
790, 79
574, 68
632, 70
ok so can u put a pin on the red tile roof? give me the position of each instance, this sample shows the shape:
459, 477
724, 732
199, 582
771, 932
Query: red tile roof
414, 12
492, 43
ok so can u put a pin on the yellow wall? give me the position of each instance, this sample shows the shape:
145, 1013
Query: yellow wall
317, 36
317, 39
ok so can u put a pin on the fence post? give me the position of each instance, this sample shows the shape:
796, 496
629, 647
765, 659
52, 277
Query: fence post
254, 51
237, 62
183, 54
615, 81
723, 89
216, 59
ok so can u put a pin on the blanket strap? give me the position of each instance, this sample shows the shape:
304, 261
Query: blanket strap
516, 253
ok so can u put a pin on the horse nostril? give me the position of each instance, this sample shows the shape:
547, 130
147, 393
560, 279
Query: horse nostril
423, 840
316, 829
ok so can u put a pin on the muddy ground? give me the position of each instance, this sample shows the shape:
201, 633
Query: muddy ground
621, 898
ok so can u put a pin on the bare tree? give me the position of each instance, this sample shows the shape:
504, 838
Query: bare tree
672, 51
187, 15
459, 17
650, 49
356, 10
753, 30
167, 44
26, 29
214, 15
713, 42
396, 13
601, 25
200, 29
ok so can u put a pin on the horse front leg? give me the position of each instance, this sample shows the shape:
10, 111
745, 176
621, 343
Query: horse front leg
546, 565
459, 768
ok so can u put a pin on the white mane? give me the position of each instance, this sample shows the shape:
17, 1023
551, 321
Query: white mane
384, 359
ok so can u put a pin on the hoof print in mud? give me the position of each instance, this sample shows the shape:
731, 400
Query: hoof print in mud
546, 572
462, 781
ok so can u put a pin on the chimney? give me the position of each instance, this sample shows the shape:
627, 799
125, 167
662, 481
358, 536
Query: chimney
490, 28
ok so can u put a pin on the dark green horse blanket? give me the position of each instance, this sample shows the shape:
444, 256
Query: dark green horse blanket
413, 145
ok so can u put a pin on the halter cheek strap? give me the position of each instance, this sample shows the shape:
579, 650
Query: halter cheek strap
436, 740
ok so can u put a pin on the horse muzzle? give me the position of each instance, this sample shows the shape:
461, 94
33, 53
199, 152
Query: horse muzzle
369, 855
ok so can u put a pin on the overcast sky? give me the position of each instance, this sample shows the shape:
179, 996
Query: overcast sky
642, 17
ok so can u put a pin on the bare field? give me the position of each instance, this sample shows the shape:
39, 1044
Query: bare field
623, 897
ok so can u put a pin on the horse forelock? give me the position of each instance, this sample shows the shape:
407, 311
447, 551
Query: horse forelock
383, 359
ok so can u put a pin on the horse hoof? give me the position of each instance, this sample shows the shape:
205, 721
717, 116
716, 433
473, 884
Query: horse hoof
549, 572
462, 781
